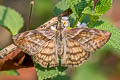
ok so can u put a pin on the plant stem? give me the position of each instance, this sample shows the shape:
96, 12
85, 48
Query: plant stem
30, 16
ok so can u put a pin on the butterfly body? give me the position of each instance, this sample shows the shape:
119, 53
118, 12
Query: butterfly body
72, 46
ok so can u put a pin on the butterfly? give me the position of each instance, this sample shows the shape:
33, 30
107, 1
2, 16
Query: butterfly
71, 47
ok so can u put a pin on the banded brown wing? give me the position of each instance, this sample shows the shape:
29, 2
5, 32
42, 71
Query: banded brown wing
39, 44
47, 56
89, 39
74, 54
80, 42
31, 41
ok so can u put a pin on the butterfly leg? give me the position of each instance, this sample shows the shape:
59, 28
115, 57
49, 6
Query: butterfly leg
7, 50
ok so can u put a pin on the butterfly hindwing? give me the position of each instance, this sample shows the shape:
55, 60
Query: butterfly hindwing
75, 54
47, 55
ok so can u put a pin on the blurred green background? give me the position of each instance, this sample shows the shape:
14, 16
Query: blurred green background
102, 65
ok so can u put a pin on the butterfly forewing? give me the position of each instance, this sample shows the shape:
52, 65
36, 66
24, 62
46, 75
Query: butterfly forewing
30, 42
40, 44
89, 39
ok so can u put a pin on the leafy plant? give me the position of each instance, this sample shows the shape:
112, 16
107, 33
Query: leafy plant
44, 73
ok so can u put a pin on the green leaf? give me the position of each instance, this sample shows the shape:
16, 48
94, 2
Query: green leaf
46, 73
91, 15
77, 6
60, 7
10, 19
103, 6
59, 77
115, 33
10, 72
88, 10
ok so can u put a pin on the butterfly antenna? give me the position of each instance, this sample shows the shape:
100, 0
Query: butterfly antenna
30, 15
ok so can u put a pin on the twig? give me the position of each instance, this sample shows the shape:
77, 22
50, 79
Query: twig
7, 50
30, 16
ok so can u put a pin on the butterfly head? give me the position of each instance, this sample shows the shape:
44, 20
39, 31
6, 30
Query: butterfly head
63, 23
